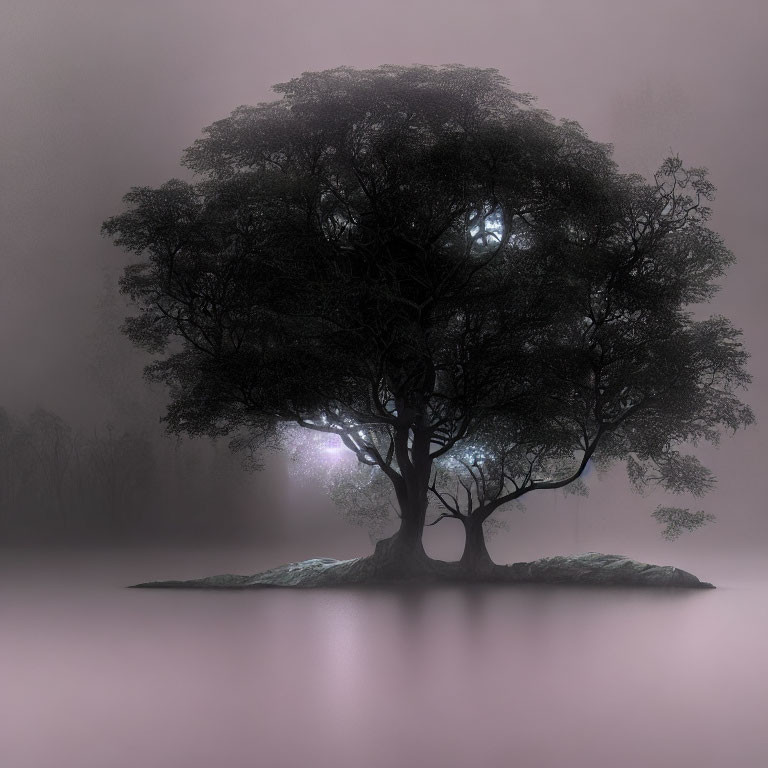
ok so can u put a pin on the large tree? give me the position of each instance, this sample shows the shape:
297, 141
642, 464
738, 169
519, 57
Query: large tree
406, 256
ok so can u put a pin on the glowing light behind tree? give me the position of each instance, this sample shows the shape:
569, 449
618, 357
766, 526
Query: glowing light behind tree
316, 455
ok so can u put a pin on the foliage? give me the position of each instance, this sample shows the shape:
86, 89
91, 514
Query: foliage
631, 376
365, 498
676, 520
419, 262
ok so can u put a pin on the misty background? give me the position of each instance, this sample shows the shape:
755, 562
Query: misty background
99, 96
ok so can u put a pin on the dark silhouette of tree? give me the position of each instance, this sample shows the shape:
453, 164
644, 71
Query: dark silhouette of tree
414, 258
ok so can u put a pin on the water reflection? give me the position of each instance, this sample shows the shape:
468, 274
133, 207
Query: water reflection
532, 676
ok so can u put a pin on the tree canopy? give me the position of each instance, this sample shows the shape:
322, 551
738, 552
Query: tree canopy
418, 260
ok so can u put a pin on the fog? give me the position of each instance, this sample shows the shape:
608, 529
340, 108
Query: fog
101, 96
98, 96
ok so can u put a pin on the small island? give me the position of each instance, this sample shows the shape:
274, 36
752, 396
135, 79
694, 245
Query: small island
590, 568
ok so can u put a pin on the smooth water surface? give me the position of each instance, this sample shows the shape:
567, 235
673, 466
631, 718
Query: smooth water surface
98, 676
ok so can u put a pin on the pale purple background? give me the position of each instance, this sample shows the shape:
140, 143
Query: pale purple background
99, 95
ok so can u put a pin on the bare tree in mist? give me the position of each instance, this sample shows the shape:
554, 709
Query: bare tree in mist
418, 262
62, 484
57, 482
51, 440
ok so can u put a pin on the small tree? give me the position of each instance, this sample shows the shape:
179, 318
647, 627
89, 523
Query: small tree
401, 257
633, 377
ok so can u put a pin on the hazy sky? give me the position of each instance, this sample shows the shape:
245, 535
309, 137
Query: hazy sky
100, 95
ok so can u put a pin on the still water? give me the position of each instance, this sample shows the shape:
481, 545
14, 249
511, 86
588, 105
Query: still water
97, 676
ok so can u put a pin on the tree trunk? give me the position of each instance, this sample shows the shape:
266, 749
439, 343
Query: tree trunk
404, 551
475, 558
